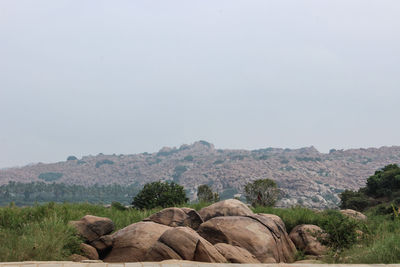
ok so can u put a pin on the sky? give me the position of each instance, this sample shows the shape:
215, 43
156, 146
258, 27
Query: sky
82, 77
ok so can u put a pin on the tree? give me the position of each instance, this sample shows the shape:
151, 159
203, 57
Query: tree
262, 192
160, 194
205, 194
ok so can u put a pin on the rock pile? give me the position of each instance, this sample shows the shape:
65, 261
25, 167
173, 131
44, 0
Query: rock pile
227, 231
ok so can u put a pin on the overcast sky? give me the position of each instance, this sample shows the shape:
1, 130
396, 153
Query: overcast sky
87, 77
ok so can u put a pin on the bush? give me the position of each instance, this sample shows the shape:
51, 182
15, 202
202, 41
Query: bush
50, 176
72, 158
262, 192
104, 161
160, 194
205, 194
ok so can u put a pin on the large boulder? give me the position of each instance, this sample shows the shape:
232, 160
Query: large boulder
354, 214
229, 207
92, 227
305, 237
183, 243
103, 244
258, 234
177, 217
235, 254
131, 243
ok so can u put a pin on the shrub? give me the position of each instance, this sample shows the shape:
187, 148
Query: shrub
72, 158
50, 176
160, 194
188, 158
262, 192
205, 194
104, 161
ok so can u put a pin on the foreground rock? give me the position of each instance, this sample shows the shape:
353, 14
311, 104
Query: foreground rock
229, 207
131, 243
354, 214
183, 243
177, 217
258, 234
305, 238
89, 252
235, 254
92, 227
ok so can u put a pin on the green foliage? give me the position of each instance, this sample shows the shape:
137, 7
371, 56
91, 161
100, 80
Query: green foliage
104, 161
72, 158
218, 161
50, 176
178, 171
29, 193
160, 194
205, 194
188, 158
341, 230
384, 182
118, 206
354, 200
262, 192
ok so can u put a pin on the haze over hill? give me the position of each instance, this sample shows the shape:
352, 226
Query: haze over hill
305, 175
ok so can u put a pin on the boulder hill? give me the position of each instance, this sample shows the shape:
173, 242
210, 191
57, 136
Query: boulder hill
305, 175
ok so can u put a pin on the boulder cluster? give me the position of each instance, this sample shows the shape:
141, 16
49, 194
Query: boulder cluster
227, 231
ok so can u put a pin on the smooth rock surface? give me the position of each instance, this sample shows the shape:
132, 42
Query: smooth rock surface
229, 207
235, 254
183, 243
92, 227
131, 243
354, 214
259, 235
177, 217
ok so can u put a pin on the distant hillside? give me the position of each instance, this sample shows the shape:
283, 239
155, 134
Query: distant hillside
306, 176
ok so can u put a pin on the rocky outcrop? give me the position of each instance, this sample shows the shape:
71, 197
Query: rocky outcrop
183, 243
235, 254
354, 214
258, 234
305, 238
131, 243
92, 228
177, 217
103, 244
229, 207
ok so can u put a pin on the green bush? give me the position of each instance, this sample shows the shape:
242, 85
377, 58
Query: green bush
261, 192
104, 161
50, 176
160, 194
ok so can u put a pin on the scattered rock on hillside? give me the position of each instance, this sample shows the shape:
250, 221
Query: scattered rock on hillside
177, 217
89, 252
183, 243
259, 235
92, 227
304, 236
131, 243
354, 214
229, 207
235, 254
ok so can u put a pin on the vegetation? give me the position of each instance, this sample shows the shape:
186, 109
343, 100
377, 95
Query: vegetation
262, 192
72, 158
205, 194
104, 161
160, 194
382, 187
50, 176
23, 194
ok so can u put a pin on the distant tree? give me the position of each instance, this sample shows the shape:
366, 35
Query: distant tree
354, 200
384, 182
72, 158
262, 192
205, 194
160, 194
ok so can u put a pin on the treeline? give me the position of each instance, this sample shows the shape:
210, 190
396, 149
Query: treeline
39, 192
382, 191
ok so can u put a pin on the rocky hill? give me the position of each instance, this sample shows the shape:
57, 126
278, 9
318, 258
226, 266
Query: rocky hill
306, 176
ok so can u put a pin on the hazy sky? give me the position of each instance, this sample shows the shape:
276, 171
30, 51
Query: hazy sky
84, 77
